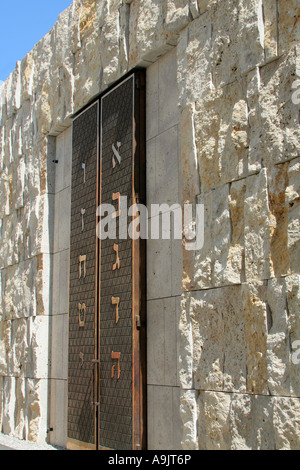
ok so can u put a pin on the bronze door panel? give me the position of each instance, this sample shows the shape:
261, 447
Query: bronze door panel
107, 308
83, 275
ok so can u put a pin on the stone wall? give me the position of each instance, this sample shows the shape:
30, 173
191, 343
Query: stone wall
237, 130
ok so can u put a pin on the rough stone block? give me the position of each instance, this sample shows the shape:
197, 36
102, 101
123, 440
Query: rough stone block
255, 311
288, 24
278, 354
257, 228
292, 198
19, 347
9, 401
277, 120
189, 416
189, 160
36, 402
270, 8
213, 421
287, 423
219, 352
222, 136
277, 183
293, 305
194, 69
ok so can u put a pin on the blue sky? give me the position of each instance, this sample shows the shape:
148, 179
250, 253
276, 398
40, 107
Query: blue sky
22, 24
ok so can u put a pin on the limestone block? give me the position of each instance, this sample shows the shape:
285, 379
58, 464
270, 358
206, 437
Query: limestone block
194, 8
288, 24
20, 290
20, 409
27, 75
292, 197
110, 49
277, 183
3, 104
257, 228
235, 261
214, 431
38, 349
61, 99
19, 184
287, 423
220, 260
255, 312
5, 194
221, 236
206, 4
177, 16
36, 408
86, 76
43, 284
146, 27
28, 126
1, 287
251, 423
198, 266
194, 69
189, 415
277, 122
236, 25
236, 421
43, 107
253, 95
189, 160
222, 136
13, 91
11, 248
278, 354
38, 225
124, 16
293, 305
185, 364
270, 9
2, 147
9, 401
97, 62
3, 361
19, 347
1, 400
219, 352
5, 347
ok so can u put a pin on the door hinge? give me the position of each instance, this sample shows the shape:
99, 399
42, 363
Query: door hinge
138, 321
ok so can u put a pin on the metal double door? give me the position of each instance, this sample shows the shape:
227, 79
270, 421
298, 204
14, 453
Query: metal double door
107, 308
